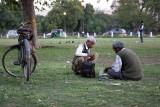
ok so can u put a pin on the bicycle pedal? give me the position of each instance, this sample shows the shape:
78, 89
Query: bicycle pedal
16, 62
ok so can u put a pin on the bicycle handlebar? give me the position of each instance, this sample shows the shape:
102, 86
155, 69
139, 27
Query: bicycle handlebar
25, 23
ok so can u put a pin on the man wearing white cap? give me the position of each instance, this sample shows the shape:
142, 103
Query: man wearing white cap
83, 53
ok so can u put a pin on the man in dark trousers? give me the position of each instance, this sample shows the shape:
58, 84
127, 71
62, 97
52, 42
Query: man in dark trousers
127, 65
141, 29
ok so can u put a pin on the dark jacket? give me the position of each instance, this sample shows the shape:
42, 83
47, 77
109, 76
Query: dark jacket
131, 65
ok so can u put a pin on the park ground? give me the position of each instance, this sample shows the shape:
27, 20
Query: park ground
53, 84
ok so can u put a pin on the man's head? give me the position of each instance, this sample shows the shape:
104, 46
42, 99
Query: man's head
117, 46
90, 41
141, 21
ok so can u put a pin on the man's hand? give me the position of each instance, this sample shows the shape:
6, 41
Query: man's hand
106, 69
91, 57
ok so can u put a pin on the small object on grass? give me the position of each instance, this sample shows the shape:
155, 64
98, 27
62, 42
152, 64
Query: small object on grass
103, 78
66, 82
68, 61
101, 73
39, 100
116, 84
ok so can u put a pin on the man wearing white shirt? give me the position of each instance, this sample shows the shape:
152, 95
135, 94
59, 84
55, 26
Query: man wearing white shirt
127, 64
83, 52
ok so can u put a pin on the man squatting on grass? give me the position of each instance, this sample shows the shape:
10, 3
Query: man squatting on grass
83, 52
127, 65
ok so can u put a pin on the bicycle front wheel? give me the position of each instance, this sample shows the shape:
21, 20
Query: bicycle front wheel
30, 65
11, 61
26, 69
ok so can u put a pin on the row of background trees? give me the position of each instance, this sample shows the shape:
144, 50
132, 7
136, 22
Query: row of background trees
127, 14
94, 21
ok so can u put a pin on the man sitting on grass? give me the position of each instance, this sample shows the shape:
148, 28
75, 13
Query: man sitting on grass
127, 65
83, 53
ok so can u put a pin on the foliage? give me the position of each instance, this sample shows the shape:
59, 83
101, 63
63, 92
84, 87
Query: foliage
101, 22
12, 5
88, 16
55, 18
40, 20
53, 84
128, 16
131, 12
28, 14
9, 19
152, 8
93, 21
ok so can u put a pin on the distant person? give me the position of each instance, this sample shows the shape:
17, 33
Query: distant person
127, 65
82, 33
141, 29
83, 53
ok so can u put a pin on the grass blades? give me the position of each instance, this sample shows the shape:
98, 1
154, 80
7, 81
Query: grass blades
53, 84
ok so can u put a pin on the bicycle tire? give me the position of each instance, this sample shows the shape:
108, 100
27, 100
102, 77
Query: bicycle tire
9, 58
8, 62
34, 61
27, 69
27, 59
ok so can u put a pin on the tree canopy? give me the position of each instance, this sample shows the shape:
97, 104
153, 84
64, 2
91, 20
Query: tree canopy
9, 19
132, 12
128, 14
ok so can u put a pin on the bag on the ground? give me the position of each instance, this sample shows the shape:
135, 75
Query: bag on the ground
88, 69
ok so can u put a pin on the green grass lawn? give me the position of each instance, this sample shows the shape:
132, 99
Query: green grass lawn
53, 84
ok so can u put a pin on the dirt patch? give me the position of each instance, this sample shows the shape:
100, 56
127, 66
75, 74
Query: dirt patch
48, 47
145, 61
106, 61
150, 61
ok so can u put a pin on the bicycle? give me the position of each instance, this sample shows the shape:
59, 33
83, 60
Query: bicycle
26, 58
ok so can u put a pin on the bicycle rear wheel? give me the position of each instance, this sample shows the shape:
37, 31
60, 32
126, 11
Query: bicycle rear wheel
11, 61
34, 61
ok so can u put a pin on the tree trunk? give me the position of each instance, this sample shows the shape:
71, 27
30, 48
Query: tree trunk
29, 16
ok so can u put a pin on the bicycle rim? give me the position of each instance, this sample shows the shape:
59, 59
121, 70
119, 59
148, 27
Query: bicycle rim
8, 59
